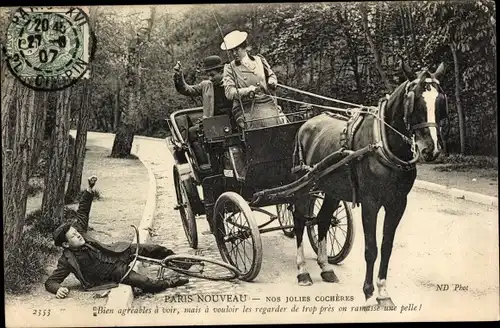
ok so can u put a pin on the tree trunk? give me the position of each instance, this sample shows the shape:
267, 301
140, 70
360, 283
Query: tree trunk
374, 49
320, 71
17, 150
412, 32
332, 72
311, 71
75, 178
402, 39
9, 211
460, 111
353, 54
55, 176
116, 107
124, 137
42, 100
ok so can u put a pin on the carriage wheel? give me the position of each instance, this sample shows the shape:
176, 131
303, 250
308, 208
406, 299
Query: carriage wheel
340, 236
237, 235
285, 218
182, 190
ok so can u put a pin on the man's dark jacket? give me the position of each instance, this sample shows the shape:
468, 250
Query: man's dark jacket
67, 262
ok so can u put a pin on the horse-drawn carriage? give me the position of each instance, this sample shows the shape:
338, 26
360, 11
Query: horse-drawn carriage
229, 200
366, 157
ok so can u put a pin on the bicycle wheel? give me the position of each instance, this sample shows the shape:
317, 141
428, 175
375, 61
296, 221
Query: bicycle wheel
202, 267
340, 235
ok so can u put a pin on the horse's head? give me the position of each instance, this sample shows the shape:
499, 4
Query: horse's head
424, 106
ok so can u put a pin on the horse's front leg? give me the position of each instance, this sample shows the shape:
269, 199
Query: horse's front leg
303, 277
324, 220
393, 214
369, 210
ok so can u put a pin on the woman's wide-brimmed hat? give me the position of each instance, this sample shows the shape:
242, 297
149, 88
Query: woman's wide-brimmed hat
233, 39
212, 62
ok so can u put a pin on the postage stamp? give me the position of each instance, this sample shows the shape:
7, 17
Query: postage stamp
47, 48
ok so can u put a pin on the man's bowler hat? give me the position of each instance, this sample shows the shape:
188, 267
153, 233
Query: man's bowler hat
212, 62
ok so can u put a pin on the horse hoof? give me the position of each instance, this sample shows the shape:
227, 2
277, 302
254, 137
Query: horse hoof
368, 290
385, 302
329, 276
304, 279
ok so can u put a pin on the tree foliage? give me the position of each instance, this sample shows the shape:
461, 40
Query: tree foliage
348, 50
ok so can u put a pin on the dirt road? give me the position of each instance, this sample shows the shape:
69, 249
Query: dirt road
440, 241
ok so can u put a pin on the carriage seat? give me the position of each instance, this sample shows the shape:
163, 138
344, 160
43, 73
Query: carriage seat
185, 121
186, 124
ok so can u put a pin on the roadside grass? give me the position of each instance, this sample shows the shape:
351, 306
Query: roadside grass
465, 163
472, 173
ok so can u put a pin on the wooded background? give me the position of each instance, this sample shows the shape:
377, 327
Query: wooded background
349, 51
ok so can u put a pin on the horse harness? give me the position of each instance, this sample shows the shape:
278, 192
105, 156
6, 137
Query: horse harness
380, 143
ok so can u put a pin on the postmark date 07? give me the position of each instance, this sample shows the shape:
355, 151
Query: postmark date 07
41, 313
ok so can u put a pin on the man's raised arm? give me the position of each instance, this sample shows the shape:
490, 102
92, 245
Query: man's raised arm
182, 87
83, 212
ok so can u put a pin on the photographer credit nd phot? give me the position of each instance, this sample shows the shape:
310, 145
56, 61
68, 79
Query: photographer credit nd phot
250, 163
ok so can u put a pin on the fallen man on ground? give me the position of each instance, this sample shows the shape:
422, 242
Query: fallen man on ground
98, 266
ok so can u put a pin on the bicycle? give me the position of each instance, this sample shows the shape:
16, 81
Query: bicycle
190, 265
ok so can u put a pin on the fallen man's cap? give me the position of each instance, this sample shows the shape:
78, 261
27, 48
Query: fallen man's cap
59, 234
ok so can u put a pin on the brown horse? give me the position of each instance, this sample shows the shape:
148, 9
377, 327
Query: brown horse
384, 178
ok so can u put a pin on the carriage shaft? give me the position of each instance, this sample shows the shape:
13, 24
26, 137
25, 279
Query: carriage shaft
319, 170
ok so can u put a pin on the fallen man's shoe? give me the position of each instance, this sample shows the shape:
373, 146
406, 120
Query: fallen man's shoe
176, 281
161, 285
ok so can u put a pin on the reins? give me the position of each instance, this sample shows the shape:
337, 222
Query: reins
371, 110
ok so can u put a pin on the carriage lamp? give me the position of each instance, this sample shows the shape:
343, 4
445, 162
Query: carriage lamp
226, 129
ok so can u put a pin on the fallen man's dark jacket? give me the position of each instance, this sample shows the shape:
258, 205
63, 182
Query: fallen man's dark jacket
68, 264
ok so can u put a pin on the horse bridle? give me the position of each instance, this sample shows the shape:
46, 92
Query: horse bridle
409, 107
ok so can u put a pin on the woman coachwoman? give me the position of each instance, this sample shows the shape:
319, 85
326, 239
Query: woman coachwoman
246, 76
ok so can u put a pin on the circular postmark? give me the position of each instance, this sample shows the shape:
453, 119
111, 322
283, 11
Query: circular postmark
47, 49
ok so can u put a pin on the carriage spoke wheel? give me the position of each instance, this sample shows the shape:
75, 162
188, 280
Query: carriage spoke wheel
285, 218
237, 235
184, 206
340, 235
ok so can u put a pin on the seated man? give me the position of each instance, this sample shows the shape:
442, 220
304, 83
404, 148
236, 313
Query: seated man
98, 266
212, 92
